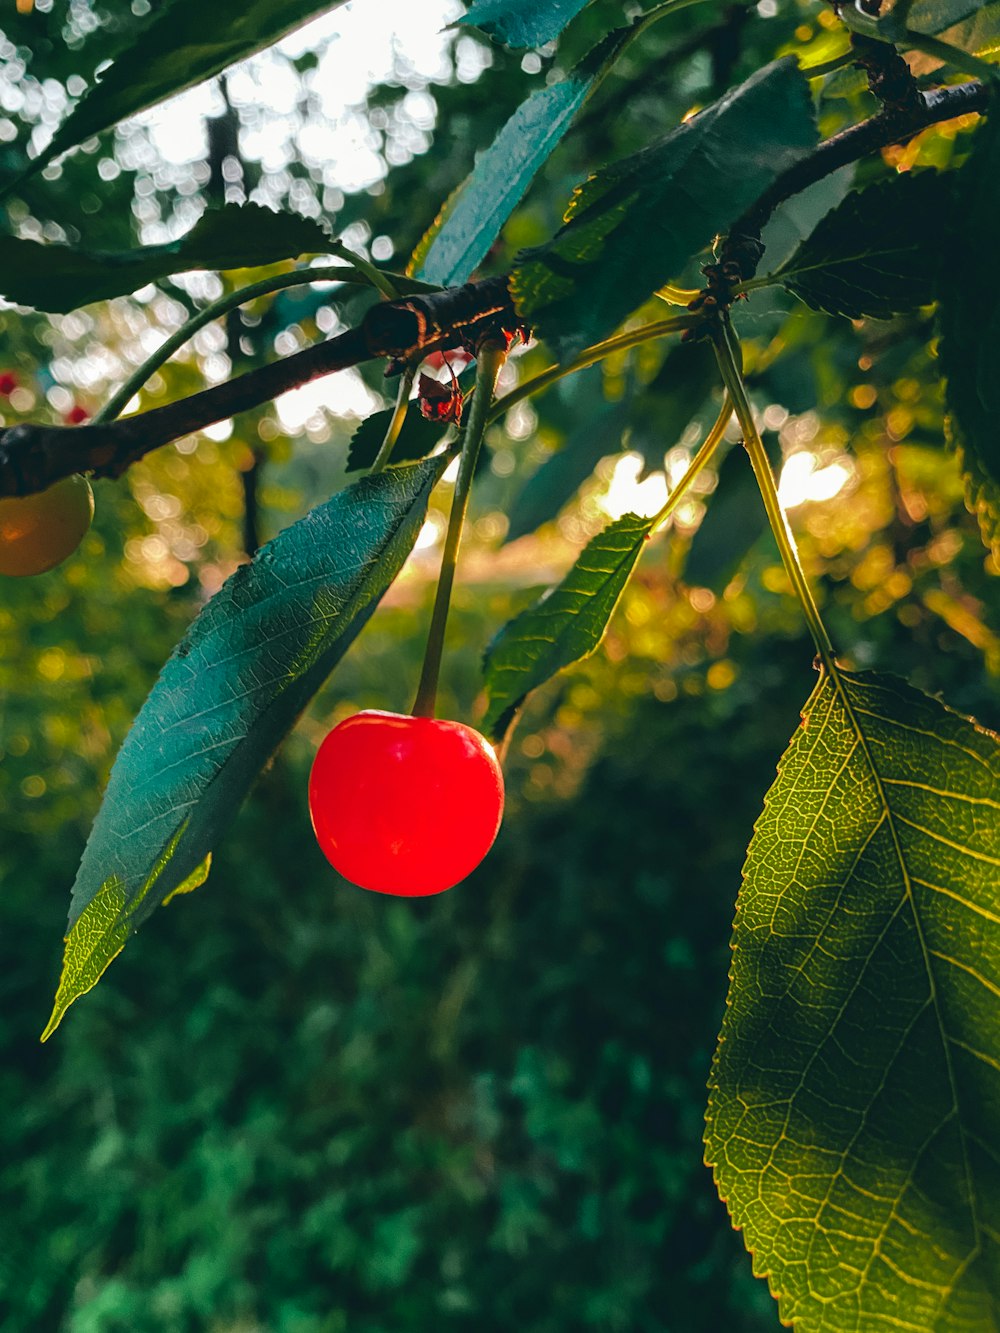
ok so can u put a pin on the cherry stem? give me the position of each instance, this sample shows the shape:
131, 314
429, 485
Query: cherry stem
277, 282
396, 420
700, 461
488, 364
730, 358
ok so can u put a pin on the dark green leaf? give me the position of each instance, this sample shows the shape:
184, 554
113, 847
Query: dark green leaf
417, 439
662, 412
634, 225
225, 699
522, 22
969, 315
566, 624
461, 238
184, 43
852, 1122
795, 220
61, 278
734, 521
879, 253
559, 477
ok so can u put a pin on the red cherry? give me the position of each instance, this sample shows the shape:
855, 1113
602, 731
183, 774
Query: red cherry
8, 383
76, 415
405, 805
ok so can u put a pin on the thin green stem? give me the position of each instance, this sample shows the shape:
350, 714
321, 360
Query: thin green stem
589, 357
382, 282
489, 361
117, 403
892, 29
396, 420
950, 55
214, 310
729, 356
831, 66
677, 295
704, 456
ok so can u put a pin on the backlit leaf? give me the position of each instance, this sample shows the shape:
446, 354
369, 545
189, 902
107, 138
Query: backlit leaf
566, 624
852, 1122
634, 225
226, 697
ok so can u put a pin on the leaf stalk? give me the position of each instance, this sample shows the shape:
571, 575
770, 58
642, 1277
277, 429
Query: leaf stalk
729, 356
491, 358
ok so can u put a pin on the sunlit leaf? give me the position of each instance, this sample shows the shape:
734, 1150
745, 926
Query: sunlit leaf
635, 224
879, 252
102, 929
232, 688
566, 624
61, 277
183, 44
852, 1122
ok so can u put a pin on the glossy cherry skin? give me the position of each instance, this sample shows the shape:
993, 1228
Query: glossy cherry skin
38, 532
405, 805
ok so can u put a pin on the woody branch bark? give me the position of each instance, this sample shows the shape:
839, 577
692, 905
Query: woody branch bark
894, 124
32, 457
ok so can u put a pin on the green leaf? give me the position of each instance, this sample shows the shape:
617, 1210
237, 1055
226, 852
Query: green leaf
418, 438
559, 477
226, 697
61, 278
879, 252
852, 1122
795, 220
183, 44
969, 321
634, 225
564, 625
102, 930
462, 236
734, 521
522, 22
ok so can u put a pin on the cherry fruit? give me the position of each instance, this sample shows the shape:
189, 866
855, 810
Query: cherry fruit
405, 805
38, 532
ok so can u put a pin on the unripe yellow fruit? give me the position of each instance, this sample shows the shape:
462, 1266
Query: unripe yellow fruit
39, 531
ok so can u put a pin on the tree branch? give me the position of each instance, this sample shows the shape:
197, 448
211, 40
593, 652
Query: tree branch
34, 457
892, 125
